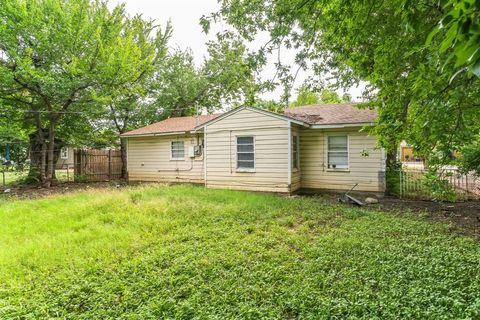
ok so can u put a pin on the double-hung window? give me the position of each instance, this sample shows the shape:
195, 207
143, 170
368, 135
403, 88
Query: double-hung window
337, 152
246, 153
177, 150
295, 152
64, 153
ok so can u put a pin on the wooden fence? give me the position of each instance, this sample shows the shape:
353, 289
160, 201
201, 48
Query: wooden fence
412, 184
97, 165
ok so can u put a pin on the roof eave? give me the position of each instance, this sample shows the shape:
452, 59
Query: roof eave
126, 135
272, 114
341, 125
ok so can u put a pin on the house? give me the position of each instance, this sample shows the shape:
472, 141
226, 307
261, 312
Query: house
65, 160
321, 147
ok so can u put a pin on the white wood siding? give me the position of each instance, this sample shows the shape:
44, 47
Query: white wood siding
368, 171
271, 152
149, 160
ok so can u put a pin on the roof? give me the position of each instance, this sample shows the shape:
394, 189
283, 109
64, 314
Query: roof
332, 114
261, 111
314, 115
172, 125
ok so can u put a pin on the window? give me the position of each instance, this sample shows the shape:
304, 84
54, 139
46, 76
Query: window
245, 153
337, 152
295, 152
64, 153
177, 150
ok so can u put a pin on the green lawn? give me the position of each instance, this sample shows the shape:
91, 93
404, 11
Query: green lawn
186, 252
14, 177
11, 177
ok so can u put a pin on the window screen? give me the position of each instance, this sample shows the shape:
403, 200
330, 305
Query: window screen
245, 153
64, 153
178, 150
295, 152
338, 152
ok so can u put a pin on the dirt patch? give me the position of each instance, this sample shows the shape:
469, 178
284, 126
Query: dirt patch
33, 192
465, 216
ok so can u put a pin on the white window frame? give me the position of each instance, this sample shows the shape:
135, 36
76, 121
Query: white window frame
296, 152
238, 169
64, 153
171, 150
328, 151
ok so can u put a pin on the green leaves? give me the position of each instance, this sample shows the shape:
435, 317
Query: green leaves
419, 60
462, 22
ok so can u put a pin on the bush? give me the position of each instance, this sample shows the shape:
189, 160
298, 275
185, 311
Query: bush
439, 187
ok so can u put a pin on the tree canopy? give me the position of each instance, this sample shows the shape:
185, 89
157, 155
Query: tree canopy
402, 49
77, 71
306, 96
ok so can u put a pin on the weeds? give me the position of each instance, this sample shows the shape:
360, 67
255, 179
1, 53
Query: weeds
185, 252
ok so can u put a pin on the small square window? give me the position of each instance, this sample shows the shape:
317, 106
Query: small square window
64, 153
177, 150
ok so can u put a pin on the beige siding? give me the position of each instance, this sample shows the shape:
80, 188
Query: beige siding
368, 171
271, 152
66, 163
149, 160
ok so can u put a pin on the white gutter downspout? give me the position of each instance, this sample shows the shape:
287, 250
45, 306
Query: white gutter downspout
289, 156
205, 155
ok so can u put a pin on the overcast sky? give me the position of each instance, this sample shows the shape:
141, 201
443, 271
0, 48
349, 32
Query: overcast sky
187, 33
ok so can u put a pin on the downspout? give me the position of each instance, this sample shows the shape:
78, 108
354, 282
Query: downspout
289, 156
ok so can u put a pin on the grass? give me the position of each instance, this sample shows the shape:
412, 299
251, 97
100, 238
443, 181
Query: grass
15, 177
186, 252
11, 177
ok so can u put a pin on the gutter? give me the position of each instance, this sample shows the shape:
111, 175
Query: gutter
153, 134
339, 125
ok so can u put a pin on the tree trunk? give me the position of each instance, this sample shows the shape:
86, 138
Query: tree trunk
41, 158
47, 183
123, 153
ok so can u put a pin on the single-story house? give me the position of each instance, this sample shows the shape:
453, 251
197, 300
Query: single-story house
65, 160
320, 147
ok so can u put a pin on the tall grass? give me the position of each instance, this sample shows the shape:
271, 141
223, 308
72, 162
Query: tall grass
186, 252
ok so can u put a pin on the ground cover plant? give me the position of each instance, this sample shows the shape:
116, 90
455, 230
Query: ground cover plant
184, 252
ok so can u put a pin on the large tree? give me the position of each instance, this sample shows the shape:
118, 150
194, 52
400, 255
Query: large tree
413, 81
306, 96
60, 57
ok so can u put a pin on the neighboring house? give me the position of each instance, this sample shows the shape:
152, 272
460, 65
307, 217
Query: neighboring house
65, 160
320, 147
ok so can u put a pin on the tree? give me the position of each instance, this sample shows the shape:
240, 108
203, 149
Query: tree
306, 97
270, 105
413, 82
127, 105
60, 57
459, 31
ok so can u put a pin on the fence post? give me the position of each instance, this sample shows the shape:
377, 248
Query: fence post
109, 164
400, 184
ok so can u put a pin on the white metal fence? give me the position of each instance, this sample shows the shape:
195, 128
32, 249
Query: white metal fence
412, 183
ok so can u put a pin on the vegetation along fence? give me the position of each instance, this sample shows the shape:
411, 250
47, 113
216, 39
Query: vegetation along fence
413, 184
97, 165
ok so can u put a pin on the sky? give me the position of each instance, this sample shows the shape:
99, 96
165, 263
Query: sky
184, 16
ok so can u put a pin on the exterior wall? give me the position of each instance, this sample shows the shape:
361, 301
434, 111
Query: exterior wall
271, 152
65, 163
148, 159
367, 171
